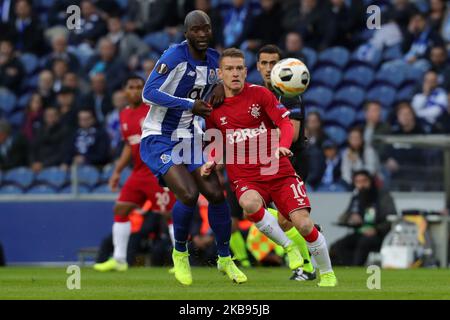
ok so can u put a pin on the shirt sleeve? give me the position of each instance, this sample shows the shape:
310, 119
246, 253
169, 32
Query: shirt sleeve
294, 106
158, 88
278, 113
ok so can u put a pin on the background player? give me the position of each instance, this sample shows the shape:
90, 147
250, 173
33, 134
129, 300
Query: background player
184, 75
267, 57
256, 110
140, 185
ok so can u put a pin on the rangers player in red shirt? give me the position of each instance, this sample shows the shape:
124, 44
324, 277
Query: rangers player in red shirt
140, 186
249, 116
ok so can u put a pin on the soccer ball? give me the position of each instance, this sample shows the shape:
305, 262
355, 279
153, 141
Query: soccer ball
290, 77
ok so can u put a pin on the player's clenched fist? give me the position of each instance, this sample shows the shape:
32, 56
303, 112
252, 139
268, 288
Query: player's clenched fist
201, 108
283, 152
207, 168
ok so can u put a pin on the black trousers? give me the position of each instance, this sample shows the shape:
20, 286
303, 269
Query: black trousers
352, 250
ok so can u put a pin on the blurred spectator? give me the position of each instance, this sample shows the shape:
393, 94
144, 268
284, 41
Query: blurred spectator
6, 11
432, 101
309, 19
147, 66
67, 108
59, 51
437, 14
108, 63
420, 38
389, 34
366, 214
89, 144
374, 125
13, 147
33, 116
57, 13
442, 124
237, 21
92, 26
293, 45
445, 29
99, 99
47, 148
45, 87
59, 70
146, 16
26, 30
315, 137
119, 101
440, 65
340, 24
11, 69
331, 174
402, 11
404, 155
357, 156
128, 44
266, 27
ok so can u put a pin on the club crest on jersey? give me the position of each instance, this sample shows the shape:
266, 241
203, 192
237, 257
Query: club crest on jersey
254, 110
212, 77
162, 68
244, 189
223, 120
165, 158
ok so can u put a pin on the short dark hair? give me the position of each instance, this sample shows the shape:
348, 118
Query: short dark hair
269, 48
232, 53
132, 77
366, 104
364, 172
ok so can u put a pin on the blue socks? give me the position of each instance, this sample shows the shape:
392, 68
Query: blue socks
219, 218
182, 217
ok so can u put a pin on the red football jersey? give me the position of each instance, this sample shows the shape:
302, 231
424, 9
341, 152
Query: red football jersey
245, 121
131, 128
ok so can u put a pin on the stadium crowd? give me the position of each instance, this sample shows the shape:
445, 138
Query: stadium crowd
61, 88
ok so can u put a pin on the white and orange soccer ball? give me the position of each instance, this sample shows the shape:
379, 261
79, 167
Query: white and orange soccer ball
290, 77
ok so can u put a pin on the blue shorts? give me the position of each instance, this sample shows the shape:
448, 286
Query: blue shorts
160, 153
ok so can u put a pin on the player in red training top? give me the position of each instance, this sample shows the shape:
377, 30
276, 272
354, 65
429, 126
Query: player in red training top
250, 116
140, 186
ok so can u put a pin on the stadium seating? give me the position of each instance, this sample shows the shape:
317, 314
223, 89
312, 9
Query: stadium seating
384, 94
30, 63
8, 100
107, 172
102, 189
16, 118
393, 52
338, 134
392, 73
328, 76
10, 190
53, 176
318, 96
81, 190
350, 95
336, 56
41, 189
22, 177
406, 92
311, 57
367, 55
360, 75
88, 176
344, 116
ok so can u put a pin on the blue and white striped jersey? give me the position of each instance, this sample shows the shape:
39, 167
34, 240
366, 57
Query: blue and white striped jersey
175, 82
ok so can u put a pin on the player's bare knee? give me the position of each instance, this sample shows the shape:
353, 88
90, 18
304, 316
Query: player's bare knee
250, 203
301, 220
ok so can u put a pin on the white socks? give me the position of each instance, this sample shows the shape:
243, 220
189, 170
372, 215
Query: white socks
171, 234
319, 252
121, 234
270, 227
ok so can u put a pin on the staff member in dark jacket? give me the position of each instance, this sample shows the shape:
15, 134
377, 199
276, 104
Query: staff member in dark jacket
367, 214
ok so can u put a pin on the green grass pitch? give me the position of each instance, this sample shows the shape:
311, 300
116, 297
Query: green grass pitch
264, 283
